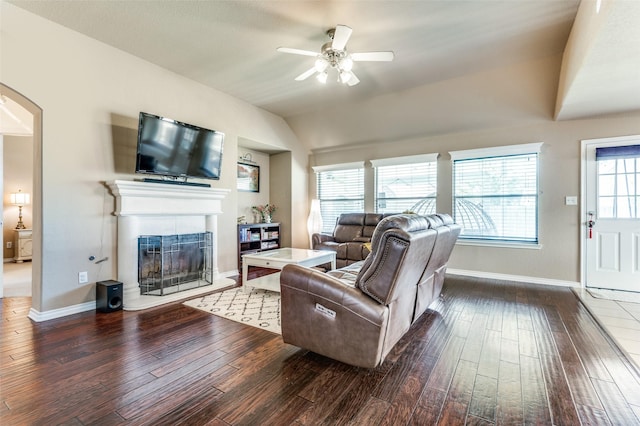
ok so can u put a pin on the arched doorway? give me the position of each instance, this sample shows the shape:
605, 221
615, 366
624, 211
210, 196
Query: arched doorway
36, 199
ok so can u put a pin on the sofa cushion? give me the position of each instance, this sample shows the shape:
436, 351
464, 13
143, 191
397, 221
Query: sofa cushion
406, 222
389, 250
349, 227
371, 220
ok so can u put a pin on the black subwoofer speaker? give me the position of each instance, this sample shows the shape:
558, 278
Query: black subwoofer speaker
108, 296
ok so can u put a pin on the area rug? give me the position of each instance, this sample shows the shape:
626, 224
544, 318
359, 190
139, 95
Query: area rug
260, 308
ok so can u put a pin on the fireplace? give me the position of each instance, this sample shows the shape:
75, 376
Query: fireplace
172, 263
161, 210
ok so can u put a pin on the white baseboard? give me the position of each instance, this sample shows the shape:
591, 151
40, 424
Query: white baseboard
62, 312
228, 274
518, 278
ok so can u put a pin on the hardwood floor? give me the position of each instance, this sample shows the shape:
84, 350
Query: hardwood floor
488, 352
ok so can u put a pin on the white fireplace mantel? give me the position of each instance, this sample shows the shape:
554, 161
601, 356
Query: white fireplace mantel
149, 208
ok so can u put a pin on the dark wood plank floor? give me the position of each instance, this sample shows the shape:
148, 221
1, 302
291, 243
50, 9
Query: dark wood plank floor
488, 353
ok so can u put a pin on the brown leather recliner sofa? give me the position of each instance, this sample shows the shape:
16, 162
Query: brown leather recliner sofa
356, 314
350, 237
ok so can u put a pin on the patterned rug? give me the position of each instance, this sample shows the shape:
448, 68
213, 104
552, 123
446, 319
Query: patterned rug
260, 308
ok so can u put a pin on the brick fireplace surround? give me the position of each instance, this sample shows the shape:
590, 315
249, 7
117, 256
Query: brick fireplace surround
147, 208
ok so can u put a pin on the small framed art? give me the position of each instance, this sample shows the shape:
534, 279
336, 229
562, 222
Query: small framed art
248, 177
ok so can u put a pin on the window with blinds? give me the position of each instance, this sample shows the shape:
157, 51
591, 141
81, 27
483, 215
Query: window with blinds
339, 191
496, 197
618, 182
406, 185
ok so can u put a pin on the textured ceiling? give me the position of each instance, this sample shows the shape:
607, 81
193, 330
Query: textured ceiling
231, 45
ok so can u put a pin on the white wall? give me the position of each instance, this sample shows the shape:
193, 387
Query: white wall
91, 95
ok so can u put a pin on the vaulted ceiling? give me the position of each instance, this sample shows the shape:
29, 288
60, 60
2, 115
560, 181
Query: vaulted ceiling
231, 45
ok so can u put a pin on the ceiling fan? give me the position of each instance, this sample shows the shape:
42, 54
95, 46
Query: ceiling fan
334, 54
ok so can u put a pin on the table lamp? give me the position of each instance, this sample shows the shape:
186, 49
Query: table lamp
20, 199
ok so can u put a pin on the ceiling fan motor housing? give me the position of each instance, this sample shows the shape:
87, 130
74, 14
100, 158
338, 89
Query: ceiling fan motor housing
332, 56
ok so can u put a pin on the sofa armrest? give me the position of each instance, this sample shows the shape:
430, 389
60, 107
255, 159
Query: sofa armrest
321, 238
331, 290
323, 314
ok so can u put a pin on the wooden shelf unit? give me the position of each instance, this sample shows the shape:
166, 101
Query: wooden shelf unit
257, 237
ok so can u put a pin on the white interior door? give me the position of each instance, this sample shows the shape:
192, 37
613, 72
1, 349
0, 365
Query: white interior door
611, 210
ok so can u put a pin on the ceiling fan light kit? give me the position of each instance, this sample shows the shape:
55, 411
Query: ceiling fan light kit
334, 54
322, 77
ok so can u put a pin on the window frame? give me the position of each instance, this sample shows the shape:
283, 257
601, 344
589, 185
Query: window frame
329, 225
491, 153
620, 155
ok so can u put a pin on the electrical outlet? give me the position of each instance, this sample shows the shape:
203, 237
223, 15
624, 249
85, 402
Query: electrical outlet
83, 277
9, 244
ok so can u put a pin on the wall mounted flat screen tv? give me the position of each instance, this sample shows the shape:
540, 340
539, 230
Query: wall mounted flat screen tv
176, 151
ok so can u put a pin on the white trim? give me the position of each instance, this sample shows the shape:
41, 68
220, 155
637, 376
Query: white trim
62, 312
497, 151
341, 166
518, 278
409, 159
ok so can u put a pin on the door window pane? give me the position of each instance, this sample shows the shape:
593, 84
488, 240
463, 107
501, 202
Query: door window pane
618, 188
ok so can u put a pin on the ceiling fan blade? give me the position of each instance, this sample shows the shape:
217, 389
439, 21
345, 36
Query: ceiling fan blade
373, 56
341, 37
353, 80
297, 51
308, 73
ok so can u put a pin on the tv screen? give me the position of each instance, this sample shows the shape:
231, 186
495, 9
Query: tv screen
174, 149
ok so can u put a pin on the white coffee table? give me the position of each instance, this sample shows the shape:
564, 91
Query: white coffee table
277, 259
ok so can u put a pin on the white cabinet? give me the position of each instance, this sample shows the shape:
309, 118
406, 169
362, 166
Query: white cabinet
23, 244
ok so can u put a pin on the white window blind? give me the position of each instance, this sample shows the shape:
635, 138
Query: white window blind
340, 190
496, 197
406, 183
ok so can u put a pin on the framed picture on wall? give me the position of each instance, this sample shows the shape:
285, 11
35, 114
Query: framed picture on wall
248, 177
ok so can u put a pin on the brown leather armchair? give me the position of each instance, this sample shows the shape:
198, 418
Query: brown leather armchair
356, 314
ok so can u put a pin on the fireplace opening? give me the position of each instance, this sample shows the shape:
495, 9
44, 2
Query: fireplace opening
171, 263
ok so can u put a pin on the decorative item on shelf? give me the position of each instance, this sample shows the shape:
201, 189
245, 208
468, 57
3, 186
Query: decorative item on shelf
242, 220
265, 211
20, 199
314, 222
